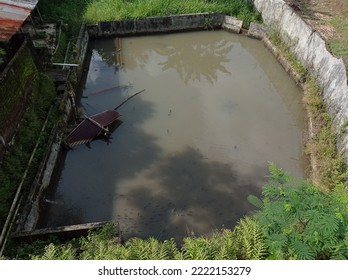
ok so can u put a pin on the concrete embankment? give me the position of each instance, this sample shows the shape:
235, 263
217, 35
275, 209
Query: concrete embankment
310, 49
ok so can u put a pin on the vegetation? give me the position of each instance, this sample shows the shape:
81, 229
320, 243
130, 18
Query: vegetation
11, 88
62, 46
299, 221
284, 48
68, 11
331, 170
107, 10
2, 53
296, 221
339, 43
17, 155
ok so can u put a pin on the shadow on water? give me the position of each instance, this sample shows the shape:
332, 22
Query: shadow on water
90, 172
196, 197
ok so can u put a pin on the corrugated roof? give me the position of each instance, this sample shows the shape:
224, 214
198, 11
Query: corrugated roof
90, 127
12, 15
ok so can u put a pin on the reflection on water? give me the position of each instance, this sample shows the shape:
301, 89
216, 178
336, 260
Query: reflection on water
193, 61
192, 147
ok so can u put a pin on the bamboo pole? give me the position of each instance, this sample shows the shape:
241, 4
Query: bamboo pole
129, 98
107, 89
118, 51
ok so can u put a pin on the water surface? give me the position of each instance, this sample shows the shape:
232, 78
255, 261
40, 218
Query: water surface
217, 108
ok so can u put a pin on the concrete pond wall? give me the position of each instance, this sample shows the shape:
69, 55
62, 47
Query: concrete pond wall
310, 49
176, 23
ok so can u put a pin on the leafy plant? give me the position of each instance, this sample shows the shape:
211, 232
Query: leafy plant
250, 240
300, 221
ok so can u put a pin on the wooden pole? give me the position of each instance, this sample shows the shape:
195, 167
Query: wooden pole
107, 89
129, 98
38, 11
118, 51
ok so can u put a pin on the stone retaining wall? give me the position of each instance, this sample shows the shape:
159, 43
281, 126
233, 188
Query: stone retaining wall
310, 49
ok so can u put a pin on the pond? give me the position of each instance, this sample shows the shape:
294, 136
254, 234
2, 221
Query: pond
217, 107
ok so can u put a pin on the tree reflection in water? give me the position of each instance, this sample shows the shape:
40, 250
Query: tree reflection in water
193, 62
196, 61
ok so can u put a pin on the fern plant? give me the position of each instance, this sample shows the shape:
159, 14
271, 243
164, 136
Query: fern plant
220, 246
250, 240
57, 252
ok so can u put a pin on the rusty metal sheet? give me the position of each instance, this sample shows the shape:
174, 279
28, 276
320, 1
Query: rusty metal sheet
12, 15
106, 118
87, 130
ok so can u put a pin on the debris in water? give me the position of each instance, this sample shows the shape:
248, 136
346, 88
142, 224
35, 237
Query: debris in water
95, 125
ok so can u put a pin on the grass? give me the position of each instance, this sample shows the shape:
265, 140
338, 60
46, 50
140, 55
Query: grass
284, 49
108, 10
339, 43
331, 167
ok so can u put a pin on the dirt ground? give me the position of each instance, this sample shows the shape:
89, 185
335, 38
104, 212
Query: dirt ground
330, 19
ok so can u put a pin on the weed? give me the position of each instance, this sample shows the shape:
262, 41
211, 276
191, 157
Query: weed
331, 167
284, 49
344, 127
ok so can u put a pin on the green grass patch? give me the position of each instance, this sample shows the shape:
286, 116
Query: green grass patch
109, 10
284, 49
339, 43
331, 166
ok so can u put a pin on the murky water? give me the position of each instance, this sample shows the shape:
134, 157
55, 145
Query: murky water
192, 147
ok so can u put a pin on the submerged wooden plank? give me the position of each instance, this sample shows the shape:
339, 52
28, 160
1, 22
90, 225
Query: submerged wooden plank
61, 229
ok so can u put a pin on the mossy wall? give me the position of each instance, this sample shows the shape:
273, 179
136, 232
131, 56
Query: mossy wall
16, 84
